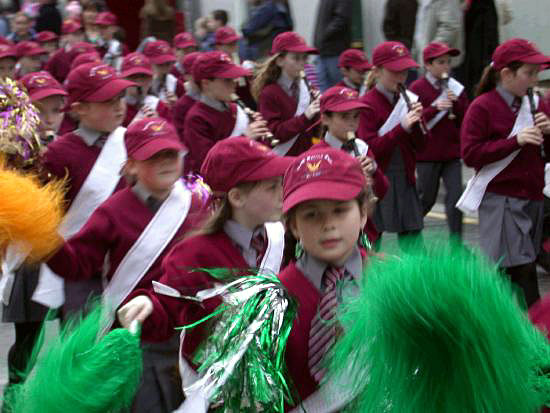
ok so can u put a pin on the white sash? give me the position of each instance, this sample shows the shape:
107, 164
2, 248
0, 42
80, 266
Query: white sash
399, 111
14, 256
303, 102
151, 102
150, 244
275, 245
98, 186
241, 123
455, 87
477, 185
170, 82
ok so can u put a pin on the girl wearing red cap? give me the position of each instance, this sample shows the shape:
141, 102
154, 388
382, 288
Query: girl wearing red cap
506, 140
242, 233
325, 203
354, 67
284, 100
126, 238
340, 109
445, 102
392, 131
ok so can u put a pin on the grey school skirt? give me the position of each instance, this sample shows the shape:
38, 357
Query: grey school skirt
400, 209
510, 229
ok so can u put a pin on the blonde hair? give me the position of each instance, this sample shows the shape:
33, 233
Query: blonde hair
267, 72
159, 9
372, 78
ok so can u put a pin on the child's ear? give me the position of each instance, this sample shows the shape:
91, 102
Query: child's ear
324, 119
236, 198
79, 108
292, 227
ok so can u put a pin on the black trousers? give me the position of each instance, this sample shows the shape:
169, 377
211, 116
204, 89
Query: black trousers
429, 175
524, 279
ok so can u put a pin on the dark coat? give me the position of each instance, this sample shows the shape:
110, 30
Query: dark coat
333, 27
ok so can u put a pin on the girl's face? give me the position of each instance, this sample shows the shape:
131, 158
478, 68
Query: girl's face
88, 16
219, 89
327, 229
7, 68
143, 81
51, 113
519, 81
439, 65
31, 64
340, 123
263, 203
158, 173
163, 69
390, 79
292, 63
356, 76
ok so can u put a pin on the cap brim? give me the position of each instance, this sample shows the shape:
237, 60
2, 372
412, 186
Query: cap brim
153, 147
401, 64
337, 191
303, 49
36, 52
272, 168
6, 55
537, 59
229, 40
234, 72
345, 106
159, 60
44, 93
136, 71
450, 52
109, 90
185, 45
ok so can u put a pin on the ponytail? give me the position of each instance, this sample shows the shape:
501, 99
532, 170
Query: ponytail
371, 78
268, 72
490, 78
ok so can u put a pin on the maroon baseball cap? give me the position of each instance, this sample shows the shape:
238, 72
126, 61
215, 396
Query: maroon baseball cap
106, 18
291, 42
135, 63
90, 57
393, 56
188, 60
437, 49
3, 40
79, 48
216, 64
27, 48
355, 59
184, 40
240, 159
226, 35
7, 50
42, 84
45, 36
70, 26
94, 82
148, 136
322, 174
517, 50
159, 52
340, 99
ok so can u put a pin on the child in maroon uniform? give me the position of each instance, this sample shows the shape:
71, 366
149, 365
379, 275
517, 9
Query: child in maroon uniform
354, 67
30, 58
445, 103
340, 109
192, 93
49, 41
91, 159
392, 132
165, 85
325, 207
245, 176
135, 228
8, 60
184, 43
283, 97
214, 117
59, 64
112, 50
502, 140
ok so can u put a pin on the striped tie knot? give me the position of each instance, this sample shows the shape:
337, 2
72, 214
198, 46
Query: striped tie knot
258, 244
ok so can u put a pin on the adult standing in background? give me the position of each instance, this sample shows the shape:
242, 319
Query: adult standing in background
332, 37
22, 28
49, 17
399, 21
158, 19
90, 9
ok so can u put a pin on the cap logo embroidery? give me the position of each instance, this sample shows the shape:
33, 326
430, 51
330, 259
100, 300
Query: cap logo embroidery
40, 80
348, 93
102, 71
225, 58
313, 162
399, 50
155, 126
312, 167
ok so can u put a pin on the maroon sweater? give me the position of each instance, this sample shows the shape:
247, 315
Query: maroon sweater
487, 124
278, 109
112, 229
67, 125
180, 110
203, 127
202, 251
70, 157
372, 118
443, 144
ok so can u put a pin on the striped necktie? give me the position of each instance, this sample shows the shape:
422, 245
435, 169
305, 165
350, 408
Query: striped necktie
258, 243
324, 330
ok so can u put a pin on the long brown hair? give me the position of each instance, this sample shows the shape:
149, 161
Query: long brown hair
158, 9
267, 72
490, 77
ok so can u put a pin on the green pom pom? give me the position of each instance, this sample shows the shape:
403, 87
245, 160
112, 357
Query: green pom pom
439, 331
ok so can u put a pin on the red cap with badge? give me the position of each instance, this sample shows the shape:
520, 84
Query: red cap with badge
135, 63
291, 42
393, 56
148, 136
106, 18
322, 174
517, 50
340, 99
236, 160
437, 49
42, 84
184, 40
355, 59
217, 64
27, 48
70, 26
159, 52
226, 35
95, 82
45, 36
